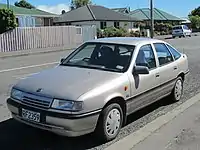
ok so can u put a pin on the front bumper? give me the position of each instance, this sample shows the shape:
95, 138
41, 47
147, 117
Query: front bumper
59, 123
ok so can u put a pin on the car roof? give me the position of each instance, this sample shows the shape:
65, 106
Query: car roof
126, 40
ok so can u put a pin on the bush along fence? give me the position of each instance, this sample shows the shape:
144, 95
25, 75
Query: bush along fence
44, 37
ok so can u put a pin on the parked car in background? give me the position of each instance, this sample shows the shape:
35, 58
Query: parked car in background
98, 85
181, 31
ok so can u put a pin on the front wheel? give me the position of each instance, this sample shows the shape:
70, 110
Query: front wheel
110, 122
177, 91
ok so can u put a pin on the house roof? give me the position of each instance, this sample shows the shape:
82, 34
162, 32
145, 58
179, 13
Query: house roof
92, 13
185, 20
121, 10
144, 14
31, 12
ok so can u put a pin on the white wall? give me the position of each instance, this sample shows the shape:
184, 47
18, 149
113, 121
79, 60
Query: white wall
126, 25
97, 23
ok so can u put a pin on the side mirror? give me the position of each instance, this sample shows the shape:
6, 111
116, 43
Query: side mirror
140, 70
62, 60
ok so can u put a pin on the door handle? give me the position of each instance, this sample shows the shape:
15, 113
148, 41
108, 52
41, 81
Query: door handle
157, 75
175, 68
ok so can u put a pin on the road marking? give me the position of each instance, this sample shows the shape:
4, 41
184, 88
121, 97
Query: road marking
140, 135
26, 67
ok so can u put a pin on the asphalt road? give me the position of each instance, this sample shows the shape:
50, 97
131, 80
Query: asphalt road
19, 136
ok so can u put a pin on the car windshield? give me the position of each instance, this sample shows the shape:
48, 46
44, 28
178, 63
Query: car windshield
103, 56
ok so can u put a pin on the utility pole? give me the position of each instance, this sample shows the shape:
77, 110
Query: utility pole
8, 4
152, 19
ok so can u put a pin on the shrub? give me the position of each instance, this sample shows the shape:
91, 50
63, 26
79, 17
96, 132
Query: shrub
135, 34
163, 28
110, 32
114, 32
121, 32
7, 20
99, 33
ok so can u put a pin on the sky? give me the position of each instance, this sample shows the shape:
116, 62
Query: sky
180, 8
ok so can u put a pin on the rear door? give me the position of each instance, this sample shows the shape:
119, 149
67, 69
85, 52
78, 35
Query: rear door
168, 69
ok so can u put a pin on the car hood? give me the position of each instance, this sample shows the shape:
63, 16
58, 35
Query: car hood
65, 82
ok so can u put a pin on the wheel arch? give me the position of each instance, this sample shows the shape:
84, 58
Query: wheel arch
182, 75
121, 101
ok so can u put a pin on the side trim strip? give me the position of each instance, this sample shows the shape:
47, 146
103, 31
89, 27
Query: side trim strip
188, 71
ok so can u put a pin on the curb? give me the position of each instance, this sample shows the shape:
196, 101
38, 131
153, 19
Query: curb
31, 53
133, 139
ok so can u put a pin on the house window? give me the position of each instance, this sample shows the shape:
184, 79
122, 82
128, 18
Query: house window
39, 22
116, 24
68, 23
103, 25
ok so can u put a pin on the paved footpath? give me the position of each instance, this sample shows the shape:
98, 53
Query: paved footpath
177, 130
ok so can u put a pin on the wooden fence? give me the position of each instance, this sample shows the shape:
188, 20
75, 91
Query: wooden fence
42, 37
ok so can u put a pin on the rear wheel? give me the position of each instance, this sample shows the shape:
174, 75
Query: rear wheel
177, 91
110, 122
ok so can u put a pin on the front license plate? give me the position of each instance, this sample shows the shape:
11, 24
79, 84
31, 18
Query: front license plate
30, 115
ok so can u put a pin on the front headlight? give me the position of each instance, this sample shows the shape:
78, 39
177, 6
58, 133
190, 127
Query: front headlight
67, 105
16, 94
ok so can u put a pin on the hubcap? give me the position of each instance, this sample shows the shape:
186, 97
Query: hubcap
178, 89
113, 121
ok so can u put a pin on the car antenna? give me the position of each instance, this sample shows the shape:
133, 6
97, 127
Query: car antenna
183, 51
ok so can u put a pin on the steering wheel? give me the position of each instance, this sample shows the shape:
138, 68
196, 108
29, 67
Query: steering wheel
86, 59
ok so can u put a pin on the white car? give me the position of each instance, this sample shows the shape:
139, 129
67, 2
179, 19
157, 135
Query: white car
181, 31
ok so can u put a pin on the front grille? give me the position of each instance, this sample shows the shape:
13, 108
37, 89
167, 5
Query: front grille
38, 101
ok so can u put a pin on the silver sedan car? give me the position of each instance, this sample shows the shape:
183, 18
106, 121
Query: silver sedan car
98, 85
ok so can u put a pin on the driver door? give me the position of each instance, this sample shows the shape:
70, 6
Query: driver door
143, 87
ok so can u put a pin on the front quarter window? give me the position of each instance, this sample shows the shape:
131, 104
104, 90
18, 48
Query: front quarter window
103, 56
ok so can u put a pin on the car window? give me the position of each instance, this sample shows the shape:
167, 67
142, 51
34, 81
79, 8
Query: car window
174, 52
109, 57
177, 28
146, 57
164, 55
185, 27
84, 54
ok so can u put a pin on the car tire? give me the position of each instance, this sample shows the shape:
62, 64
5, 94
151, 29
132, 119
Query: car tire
173, 37
177, 91
107, 128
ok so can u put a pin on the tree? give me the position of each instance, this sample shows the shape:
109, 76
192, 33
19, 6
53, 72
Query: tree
195, 21
79, 3
196, 11
7, 19
24, 4
63, 12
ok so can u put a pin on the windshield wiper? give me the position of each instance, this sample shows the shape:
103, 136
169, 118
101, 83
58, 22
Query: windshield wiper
99, 67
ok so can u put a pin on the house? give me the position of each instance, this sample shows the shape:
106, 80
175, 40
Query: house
99, 16
159, 16
125, 10
31, 17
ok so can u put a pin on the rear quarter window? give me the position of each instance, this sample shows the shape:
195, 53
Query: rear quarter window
174, 52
